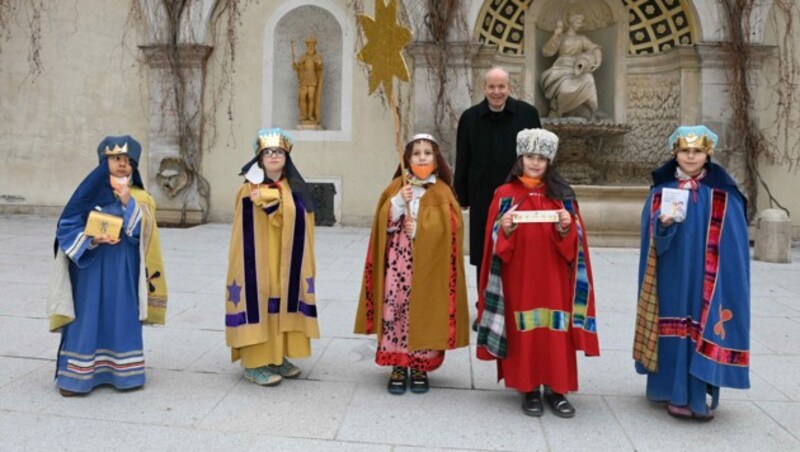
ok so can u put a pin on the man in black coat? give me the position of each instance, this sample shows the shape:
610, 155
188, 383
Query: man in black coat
486, 149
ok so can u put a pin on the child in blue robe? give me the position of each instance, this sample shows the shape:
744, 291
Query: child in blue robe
99, 287
693, 318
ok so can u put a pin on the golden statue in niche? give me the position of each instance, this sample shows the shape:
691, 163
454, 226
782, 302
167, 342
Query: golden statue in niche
310, 74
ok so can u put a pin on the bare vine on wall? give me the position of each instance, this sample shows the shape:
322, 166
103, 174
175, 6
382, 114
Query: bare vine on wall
189, 145
443, 19
191, 115
787, 121
748, 139
225, 59
27, 15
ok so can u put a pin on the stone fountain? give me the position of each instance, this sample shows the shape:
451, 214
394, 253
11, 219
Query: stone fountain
580, 142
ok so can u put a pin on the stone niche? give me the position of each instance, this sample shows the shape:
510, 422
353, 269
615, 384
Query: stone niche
296, 26
604, 24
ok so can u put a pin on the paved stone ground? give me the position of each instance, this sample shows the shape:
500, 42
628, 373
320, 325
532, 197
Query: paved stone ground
195, 399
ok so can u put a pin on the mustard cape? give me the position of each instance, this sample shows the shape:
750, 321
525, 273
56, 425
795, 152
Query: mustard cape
432, 257
247, 302
155, 279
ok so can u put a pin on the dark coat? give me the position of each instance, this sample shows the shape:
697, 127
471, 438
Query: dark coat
486, 149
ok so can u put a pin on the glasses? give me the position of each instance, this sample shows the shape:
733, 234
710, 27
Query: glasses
274, 152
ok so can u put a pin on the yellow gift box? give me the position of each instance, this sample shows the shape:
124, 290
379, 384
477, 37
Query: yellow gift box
269, 194
100, 223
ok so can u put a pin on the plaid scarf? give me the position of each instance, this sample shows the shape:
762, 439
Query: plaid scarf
645, 341
492, 329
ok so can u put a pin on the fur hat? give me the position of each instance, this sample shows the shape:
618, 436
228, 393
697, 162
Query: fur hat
537, 141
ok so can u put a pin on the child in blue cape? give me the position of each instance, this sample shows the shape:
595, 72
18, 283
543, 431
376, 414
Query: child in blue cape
693, 319
105, 285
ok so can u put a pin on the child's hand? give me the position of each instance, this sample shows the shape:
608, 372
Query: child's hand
507, 221
407, 193
410, 227
255, 195
123, 192
665, 219
564, 219
104, 240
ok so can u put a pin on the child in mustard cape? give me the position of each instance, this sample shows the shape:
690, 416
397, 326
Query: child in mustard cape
413, 294
270, 304
104, 286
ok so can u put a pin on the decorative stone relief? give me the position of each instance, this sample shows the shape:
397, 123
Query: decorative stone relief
654, 110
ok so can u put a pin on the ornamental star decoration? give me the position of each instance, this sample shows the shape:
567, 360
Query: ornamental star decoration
383, 50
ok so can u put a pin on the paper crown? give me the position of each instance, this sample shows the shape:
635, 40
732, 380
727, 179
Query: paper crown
272, 138
537, 141
421, 136
695, 137
122, 145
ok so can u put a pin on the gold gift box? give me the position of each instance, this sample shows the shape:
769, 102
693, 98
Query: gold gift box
100, 223
269, 194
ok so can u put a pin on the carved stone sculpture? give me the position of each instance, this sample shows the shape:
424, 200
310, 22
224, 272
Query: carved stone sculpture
569, 83
173, 176
309, 69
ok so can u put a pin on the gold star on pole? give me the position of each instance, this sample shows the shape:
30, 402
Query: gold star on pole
385, 42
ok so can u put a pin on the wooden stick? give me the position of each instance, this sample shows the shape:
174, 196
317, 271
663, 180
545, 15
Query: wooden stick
399, 143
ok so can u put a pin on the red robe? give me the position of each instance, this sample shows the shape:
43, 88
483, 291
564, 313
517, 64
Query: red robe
538, 275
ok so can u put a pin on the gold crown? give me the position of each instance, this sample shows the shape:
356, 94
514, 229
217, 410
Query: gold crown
692, 140
117, 150
274, 140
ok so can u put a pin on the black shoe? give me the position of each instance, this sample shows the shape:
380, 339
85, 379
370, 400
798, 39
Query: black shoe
398, 381
419, 381
559, 404
532, 403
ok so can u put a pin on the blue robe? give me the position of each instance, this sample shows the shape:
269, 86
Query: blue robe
103, 345
707, 252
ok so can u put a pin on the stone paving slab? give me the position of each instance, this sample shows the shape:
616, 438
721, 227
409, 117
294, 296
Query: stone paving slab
196, 399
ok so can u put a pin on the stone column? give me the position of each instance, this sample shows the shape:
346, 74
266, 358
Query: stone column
175, 156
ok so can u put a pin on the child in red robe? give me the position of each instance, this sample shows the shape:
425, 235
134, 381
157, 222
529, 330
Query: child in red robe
536, 305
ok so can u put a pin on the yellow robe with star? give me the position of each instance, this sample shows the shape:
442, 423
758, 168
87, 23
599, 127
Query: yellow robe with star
270, 305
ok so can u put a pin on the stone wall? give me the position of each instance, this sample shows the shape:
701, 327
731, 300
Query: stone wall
91, 85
